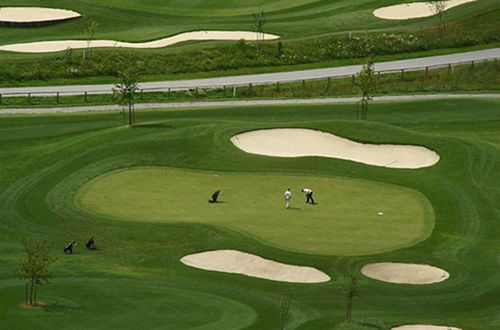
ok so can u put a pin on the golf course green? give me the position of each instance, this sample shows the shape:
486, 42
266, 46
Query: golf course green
142, 192
346, 221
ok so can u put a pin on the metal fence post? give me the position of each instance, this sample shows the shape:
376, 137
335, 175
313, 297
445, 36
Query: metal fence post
57, 97
85, 97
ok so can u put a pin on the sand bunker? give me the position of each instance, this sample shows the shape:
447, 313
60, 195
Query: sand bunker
35, 14
232, 261
424, 327
404, 273
294, 142
413, 10
60, 45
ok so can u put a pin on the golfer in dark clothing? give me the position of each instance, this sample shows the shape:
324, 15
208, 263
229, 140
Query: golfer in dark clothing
215, 195
309, 195
69, 248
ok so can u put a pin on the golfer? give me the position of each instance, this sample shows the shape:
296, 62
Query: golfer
288, 197
309, 195
215, 195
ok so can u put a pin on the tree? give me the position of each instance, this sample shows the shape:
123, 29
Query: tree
90, 35
285, 306
126, 91
258, 27
33, 269
349, 291
438, 7
367, 82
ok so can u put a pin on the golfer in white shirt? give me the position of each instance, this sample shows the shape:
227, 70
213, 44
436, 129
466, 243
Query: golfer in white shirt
288, 197
309, 195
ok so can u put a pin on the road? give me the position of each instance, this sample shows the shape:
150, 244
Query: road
267, 78
176, 105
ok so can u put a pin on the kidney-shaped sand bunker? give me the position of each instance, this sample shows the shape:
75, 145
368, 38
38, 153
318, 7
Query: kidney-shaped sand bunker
405, 273
299, 142
413, 10
237, 262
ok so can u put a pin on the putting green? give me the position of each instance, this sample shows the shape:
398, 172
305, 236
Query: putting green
345, 221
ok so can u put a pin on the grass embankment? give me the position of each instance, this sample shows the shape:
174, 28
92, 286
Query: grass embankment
136, 273
477, 78
473, 24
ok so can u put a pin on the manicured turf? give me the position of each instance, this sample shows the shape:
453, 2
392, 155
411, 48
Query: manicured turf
344, 222
135, 279
130, 20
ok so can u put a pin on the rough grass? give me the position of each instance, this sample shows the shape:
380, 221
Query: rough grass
135, 279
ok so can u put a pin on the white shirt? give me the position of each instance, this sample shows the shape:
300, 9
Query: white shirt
307, 191
288, 194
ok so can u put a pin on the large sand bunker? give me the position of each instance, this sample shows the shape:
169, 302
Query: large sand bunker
295, 142
413, 10
404, 273
424, 327
60, 45
34, 15
237, 262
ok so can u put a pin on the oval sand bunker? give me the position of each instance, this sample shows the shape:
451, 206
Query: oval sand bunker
237, 262
60, 45
404, 273
29, 15
298, 142
424, 327
413, 10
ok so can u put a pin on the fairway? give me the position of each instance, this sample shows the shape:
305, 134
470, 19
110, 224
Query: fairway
143, 193
346, 221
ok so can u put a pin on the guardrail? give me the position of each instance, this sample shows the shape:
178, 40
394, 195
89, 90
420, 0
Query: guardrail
200, 88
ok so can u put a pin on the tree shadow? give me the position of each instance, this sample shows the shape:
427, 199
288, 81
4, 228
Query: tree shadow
60, 307
156, 126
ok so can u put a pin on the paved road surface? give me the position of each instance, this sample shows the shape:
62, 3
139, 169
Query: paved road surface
266, 78
242, 103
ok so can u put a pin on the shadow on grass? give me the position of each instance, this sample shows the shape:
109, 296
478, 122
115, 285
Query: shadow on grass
60, 307
156, 125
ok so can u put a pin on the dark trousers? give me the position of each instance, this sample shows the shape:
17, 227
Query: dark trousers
309, 198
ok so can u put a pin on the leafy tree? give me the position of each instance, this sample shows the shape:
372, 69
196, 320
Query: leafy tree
90, 35
33, 269
258, 26
126, 91
350, 290
367, 82
438, 7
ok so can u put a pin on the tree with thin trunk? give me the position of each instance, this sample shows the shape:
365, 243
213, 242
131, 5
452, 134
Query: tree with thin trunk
285, 307
438, 7
258, 26
90, 35
33, 270
349, 290
126, 91
367, 82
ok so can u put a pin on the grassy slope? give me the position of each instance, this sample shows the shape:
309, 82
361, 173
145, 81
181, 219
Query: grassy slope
133, 21
136, 273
